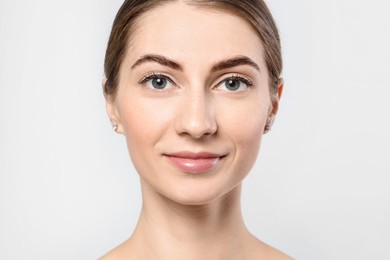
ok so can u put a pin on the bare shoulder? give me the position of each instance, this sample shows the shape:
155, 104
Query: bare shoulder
113, 254
260, 250
110, 255
273, 253
120, 252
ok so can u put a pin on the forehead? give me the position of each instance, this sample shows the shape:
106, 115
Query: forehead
185, 31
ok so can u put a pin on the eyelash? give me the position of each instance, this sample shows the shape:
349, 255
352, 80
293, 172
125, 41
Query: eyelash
238, 77
154, 75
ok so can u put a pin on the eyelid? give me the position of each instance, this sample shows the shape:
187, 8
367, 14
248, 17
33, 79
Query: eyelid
234, 76
153, 75
238, 77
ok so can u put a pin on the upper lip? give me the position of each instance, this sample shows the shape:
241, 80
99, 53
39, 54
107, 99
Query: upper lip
194, 155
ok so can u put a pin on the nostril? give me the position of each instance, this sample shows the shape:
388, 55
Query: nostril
199, 130
197, 127
196, 116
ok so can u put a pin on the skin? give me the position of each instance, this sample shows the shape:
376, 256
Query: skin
192, 215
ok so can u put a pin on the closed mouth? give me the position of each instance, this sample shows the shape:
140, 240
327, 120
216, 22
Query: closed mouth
191, 162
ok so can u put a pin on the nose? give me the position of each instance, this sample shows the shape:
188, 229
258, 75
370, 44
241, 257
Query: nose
196, 117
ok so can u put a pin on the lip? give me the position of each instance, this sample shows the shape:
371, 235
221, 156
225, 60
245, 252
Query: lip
195, 163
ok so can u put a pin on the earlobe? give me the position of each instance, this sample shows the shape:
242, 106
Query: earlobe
114, 126
280, 88
113, 114
274, 107
112, 110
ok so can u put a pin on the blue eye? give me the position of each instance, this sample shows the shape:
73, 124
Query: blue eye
234, 84
157, 82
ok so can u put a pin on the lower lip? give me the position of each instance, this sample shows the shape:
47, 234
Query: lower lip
197, 165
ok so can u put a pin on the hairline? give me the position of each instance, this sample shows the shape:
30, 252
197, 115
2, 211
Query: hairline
129, 31
267, 51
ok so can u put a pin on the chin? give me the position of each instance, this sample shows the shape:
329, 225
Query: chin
194, 199
198, 195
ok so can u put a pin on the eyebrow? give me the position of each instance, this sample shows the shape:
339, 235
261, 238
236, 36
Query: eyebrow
225, 64
233, 62
158, 59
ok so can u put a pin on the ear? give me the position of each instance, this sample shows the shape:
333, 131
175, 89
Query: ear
112, 110
274, 106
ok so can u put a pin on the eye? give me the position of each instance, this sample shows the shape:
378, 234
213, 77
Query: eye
234, 84
157, 81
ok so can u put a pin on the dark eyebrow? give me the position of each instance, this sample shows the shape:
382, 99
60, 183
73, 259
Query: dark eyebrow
159, 59
225, 64
233, 62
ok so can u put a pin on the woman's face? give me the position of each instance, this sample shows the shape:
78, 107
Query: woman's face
193, 101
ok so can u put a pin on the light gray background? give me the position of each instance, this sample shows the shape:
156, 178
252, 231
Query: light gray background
320, 189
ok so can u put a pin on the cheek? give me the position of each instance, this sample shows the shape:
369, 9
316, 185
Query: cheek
144, 123
248, 139
243, 122
140, 127
244, 126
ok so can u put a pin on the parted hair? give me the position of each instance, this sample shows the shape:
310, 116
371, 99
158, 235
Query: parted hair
255, 12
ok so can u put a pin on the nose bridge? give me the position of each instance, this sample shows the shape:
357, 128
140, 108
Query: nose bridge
197, 116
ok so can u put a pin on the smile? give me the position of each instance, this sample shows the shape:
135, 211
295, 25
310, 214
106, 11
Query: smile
194, 162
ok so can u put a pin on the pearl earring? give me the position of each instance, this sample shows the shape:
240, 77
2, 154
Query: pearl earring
114, 125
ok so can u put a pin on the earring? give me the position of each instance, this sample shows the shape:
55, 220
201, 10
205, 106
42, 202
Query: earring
114, 125
267, 128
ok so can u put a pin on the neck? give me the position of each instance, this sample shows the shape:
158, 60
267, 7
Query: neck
209, 231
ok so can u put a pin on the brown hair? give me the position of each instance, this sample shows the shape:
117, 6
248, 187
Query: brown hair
255, 12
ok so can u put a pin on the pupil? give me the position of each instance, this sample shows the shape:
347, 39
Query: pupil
232, 84
159, 83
